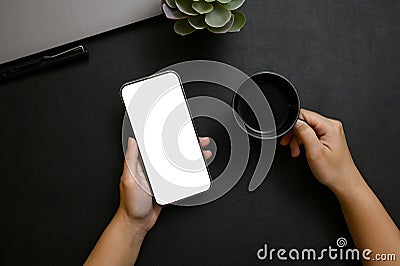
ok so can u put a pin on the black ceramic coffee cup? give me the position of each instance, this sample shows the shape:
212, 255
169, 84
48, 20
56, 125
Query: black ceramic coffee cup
283, 102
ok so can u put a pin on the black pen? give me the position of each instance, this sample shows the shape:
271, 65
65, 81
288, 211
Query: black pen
43, 62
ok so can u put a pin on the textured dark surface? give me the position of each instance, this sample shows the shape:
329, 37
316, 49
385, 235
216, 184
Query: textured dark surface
60, 137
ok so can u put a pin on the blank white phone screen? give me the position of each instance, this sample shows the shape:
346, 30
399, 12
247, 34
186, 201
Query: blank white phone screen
167, 140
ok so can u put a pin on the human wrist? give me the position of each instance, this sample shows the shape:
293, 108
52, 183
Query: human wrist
352, 183
130, 225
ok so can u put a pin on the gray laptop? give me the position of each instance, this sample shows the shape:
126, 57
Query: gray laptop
31, 26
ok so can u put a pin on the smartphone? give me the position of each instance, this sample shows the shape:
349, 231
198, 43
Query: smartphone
168, 143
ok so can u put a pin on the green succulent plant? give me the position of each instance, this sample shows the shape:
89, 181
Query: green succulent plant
218, 16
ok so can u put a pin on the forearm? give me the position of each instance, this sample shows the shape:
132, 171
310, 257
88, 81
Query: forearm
119, 244
370, 225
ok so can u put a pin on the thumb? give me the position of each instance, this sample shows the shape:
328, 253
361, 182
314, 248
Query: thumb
307, 136
131, 157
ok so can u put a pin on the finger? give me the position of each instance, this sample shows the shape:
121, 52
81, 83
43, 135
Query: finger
301, 116
141, 177
207, 154
294, 147
319, 123
139, 168
311, 117
204, 141
307, 136
131, 156
285, 140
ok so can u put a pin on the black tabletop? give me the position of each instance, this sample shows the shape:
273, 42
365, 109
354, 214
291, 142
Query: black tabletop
61, 154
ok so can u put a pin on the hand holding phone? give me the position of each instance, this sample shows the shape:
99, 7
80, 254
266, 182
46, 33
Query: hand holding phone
166, 137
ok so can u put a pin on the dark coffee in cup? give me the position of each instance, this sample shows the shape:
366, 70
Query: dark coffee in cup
283, 101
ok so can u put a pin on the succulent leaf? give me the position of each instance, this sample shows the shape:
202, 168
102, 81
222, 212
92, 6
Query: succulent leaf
185, 6
170, 13
234, 4
223, 29
219, 16
239, 21
197, 22
202, 7
182, 27
171, 3
224, 1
